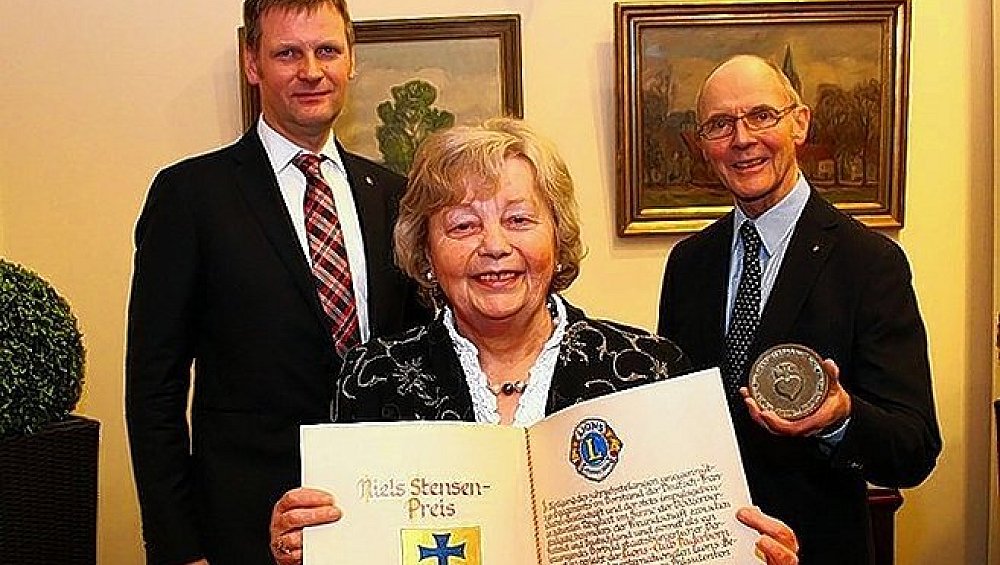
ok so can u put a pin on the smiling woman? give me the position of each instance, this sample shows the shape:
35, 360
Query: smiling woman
489, 228
493, 252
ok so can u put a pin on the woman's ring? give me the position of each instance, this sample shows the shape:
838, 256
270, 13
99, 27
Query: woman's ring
280, 547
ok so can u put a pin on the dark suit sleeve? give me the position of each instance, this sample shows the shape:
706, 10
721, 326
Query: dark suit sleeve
683, 316
893, 434
161, 330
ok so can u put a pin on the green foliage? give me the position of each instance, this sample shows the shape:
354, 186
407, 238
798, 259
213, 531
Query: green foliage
407, 120
41, 353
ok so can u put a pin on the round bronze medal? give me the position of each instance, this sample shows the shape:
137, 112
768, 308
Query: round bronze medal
788, 379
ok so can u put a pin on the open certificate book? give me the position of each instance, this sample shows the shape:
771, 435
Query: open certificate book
650, 475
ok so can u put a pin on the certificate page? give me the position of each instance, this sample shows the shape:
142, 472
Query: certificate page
420, 493
651, 475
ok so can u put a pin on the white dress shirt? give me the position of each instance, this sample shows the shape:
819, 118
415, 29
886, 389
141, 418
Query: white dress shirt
292, 182
775, 227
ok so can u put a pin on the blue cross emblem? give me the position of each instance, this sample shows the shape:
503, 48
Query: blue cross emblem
441, 551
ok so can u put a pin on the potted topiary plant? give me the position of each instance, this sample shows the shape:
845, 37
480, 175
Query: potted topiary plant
48, 457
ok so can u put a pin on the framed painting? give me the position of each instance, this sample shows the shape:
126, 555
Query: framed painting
848, 61
415, 76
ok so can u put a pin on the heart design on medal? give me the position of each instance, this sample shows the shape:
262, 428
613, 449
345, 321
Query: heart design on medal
787, 382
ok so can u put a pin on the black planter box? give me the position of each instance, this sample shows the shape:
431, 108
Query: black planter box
48, 495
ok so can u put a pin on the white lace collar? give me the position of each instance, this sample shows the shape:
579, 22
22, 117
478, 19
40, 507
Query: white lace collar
531, 406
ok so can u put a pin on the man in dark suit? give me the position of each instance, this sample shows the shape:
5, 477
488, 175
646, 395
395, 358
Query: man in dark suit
260, 264
787, 267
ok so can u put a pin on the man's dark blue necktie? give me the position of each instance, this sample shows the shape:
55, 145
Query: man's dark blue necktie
745, 315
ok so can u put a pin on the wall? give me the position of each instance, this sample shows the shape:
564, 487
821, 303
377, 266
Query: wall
994, 497
101, 95
947, 237
98, 95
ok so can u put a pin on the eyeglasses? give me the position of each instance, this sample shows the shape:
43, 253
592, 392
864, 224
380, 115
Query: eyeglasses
755, 119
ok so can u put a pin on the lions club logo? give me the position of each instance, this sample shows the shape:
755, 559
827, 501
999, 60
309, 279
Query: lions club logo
594, 449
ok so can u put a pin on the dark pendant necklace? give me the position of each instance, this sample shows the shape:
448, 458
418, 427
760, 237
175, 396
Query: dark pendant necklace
508, 388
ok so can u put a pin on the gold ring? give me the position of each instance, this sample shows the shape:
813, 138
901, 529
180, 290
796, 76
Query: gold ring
280, 547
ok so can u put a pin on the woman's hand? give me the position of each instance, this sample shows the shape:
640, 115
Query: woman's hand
295, 510
777, 544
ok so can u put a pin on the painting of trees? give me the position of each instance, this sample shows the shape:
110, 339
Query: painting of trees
407, 120
656, 143
869, 98
673, 166
847, 62
847, 121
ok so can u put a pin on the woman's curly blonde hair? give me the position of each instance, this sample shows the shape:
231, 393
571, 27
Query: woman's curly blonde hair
451, 161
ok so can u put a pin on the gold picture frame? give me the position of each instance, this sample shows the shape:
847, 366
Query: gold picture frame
849, 60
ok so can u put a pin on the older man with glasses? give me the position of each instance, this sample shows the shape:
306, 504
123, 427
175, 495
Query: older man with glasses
785, 266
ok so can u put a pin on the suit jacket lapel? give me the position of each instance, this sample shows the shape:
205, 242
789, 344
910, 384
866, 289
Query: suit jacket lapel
812, 241
717, 254
259, 186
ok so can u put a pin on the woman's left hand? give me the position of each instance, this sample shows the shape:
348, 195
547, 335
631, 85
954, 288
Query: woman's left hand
777, 544
295, 510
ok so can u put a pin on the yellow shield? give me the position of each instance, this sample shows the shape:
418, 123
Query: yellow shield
441, 546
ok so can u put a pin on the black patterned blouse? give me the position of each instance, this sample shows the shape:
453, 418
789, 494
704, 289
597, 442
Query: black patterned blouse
416, 375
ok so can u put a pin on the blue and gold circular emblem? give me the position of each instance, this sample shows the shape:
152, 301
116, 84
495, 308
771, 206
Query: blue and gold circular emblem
594, 449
